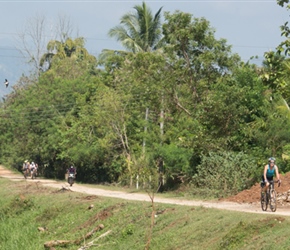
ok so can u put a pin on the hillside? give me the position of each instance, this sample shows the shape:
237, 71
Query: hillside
82, 217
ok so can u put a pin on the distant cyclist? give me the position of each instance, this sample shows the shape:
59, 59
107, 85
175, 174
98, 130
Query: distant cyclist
33, 169
25, 165
26, 168
270, 170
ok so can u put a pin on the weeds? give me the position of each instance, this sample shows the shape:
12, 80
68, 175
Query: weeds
17, 206
65, 216
243, 232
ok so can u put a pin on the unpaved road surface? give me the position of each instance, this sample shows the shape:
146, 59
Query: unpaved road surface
252, 207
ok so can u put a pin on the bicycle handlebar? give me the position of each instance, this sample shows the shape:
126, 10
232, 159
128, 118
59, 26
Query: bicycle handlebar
277, 181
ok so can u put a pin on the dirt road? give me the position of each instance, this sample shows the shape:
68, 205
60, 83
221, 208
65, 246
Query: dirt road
253, 207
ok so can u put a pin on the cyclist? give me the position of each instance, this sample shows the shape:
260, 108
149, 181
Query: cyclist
25, 168
25, 165
270, 170
33, 169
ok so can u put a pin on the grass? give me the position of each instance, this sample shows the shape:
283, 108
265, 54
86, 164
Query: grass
181, 193
32, 215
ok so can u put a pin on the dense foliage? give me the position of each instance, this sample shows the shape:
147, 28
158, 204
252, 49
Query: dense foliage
189, 113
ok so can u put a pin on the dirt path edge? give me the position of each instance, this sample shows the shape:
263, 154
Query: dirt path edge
233, 206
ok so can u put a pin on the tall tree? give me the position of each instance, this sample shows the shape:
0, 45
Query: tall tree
138, 31
284, 47
64, 28
35, 36
57, 50
32, 41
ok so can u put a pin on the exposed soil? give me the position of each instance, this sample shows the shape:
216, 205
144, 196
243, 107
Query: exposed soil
252, 195
245, 201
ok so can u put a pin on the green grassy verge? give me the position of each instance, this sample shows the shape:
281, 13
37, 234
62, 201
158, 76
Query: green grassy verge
32, 215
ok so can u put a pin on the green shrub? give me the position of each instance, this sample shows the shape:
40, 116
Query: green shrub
227, 172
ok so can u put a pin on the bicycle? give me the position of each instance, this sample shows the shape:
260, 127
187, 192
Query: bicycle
26, 173
269, 198
33, 174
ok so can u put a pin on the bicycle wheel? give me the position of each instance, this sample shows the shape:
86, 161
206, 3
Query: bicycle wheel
273, 200
264, 203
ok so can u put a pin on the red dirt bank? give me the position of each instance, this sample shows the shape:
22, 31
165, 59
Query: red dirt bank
252, 195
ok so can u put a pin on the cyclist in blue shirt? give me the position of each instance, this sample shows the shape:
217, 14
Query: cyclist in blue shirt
270, 170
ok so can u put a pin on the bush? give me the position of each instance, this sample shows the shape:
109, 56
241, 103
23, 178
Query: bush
227, 172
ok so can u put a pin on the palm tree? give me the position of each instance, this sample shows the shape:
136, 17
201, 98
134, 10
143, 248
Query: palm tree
140, 31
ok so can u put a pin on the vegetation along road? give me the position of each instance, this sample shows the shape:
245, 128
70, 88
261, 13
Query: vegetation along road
234, 206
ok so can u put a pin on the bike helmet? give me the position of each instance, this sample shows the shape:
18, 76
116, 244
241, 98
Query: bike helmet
71, 166
272, 159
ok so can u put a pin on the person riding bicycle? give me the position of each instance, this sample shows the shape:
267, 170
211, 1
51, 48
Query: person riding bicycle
25, 165
33, 169
270, 170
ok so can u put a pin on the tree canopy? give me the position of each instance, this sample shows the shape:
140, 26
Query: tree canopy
172, 117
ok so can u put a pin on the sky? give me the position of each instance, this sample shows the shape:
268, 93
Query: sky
251, 27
